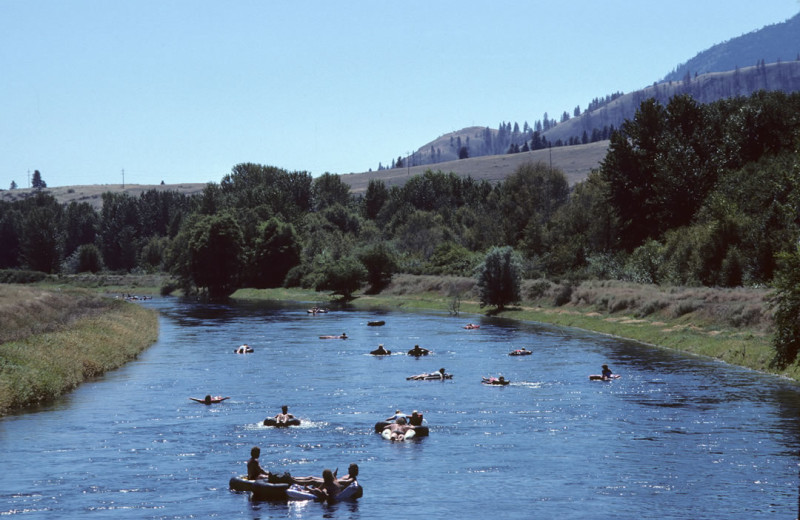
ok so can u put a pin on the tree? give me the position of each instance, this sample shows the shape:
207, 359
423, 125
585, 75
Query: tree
375, 197
119, 231
381, 264
343, 276
89, 259
786, 301
329, 190
276, 251
13, 185
40, 239
499, 278
38, 183
207, 255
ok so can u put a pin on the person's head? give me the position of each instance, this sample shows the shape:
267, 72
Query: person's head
401, 420
414, 413
352, 470
208, 399
285, 409
502, 378
441, 371
255, 452
327, 476
605, 366
397, 412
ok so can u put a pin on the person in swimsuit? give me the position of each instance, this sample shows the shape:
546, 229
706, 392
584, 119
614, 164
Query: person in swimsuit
284, 417
254, 469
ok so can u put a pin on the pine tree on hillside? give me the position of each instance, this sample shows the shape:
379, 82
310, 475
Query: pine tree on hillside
38, 183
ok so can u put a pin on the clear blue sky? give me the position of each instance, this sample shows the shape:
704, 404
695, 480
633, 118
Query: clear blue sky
182, 90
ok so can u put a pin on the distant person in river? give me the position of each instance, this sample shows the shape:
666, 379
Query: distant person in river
416, 419
329, 487
397, 414
418, 351
284, 417
380, 351
398, 429
352, 475
254, 469
607, 373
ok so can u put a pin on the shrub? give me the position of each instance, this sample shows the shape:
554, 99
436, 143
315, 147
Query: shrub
563, 295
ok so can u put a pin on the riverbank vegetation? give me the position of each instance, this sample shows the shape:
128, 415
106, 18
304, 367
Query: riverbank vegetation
688, 195
51, 340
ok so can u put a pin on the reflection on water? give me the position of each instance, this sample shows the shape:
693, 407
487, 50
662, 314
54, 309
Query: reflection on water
677, 437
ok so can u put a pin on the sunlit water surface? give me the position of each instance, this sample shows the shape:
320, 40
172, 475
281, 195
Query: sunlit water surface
675, 437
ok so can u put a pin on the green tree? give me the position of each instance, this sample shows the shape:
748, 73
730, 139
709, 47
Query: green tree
374, 198
499, 278
786, 301
10, 230
37, 182
80, 226
381, 263
89, 259
119, 231
529, 197
344, 276
41, 239
277, 250
215, 248
329, 190
207, 255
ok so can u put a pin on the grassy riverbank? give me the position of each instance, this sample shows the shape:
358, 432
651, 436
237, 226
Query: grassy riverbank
731, 325
51, 340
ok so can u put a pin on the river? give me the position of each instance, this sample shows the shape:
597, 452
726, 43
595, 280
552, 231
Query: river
677, 436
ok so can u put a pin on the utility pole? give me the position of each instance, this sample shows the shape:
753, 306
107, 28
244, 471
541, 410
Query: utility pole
123, 178
29, 178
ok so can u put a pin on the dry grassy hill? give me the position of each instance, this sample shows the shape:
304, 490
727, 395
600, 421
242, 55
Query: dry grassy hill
575, 161
92, 193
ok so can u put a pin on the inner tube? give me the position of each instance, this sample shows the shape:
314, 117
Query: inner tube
598, 377
261, 489
376, 323
377, 352
494, 381
351, 492
520, 353
270, 421
419, 431
387, 434
421, 352
429, 377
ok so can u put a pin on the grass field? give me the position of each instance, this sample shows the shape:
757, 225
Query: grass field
51, 340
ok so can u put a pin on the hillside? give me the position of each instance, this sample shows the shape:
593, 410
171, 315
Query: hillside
705, 88
773, 43
575, 161
93, 193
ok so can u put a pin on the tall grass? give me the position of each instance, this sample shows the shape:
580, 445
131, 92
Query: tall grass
54, 340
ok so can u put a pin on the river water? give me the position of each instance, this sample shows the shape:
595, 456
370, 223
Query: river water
676, 437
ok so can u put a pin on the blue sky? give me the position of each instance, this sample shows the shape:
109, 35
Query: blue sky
182, 90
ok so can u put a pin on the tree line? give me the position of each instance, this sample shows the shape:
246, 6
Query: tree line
689, 193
